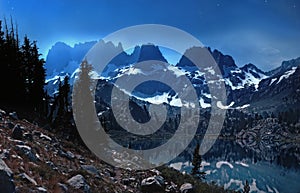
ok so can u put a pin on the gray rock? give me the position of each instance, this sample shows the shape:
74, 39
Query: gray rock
153, 184
26, 150
171, 188
78, 182
67, 154
14, 115
70, 155
27, 178
90, 169
17, 132
155, 172
2, 113
5, 154
186, 188
6, 178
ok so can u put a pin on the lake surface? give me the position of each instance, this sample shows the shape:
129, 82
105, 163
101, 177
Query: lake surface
230, 163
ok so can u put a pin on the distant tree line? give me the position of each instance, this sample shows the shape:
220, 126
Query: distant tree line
22, 73
290, 116
22, 80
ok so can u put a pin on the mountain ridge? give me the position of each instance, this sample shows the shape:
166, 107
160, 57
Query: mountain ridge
242, 83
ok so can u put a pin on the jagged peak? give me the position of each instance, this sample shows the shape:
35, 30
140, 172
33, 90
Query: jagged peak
150, 52
285, 65
251, 66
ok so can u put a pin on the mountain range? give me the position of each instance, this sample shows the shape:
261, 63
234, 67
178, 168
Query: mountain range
247, 87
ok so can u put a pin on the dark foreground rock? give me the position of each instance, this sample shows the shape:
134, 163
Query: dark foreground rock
6, 179
153, 184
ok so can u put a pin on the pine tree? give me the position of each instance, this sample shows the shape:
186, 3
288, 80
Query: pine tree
11, 78
82, 95
66, 92
246, 187
83, 103
60, 112
22, 75
3, 66
197, 164
1, 36
26, 66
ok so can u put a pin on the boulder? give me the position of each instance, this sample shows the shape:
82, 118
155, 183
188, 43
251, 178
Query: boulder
17, 132
70, 155
90, 169
67, 154
14, 115
171, 188
2, 113
78, 182
5, 154
6, 178
26, 150
186, 188
153, 184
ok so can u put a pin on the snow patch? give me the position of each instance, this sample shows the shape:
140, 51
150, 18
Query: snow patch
204, 163
242, 107
55, 79
207, 95
203, 104
287, 74
131, 71
176, 71
221, 106
254, 188
210, 70
242, 164
239, 183
272, 81
229, 83
220, 163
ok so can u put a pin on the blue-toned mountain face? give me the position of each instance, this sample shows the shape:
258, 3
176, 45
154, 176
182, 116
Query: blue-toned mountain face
245, 85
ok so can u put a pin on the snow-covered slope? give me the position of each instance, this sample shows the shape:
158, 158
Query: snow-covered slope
243, 84
63, 60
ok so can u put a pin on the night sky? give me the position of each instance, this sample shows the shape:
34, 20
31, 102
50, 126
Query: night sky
263, 32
